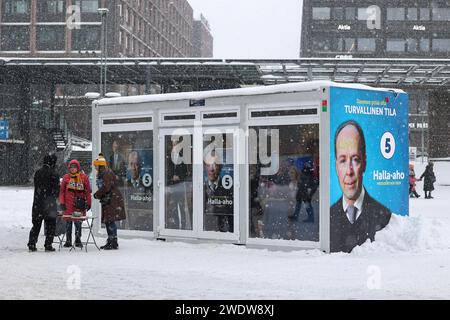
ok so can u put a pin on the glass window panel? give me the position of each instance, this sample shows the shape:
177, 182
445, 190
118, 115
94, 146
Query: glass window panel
130, 156
395, 45
440, 14
350, 13
218, 182
366, 44
424, 45
50, 38
412, 45
321, 13
284, 178
362, 14
15, 38
178, 193
424, 14
321, 44
441, 45
338, 13
16, 10
86, 38
412, 14
396, 14
88, 6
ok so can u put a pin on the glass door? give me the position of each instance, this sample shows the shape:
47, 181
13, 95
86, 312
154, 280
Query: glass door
199, 194
176, 196
219, 183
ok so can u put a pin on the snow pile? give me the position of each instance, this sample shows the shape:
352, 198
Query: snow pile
427, 227
409, 234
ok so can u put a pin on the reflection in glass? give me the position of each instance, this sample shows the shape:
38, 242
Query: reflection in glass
178, 189
130, 157
284, 203
218, 177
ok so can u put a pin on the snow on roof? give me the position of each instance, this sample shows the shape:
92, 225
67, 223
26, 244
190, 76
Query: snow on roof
280, 88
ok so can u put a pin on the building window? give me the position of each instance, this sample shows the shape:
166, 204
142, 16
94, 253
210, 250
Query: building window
321, 44
350, 13
363, 15
424, 45
51, 6
395, 45
441, 14
50, 38
51, 10
321, 13
412, 45
346, 45
424, 14
86, 38
412, 14
88, 6
15, 38
338, 13
17, 7
396, 14
16, 11
366, 44
441, 45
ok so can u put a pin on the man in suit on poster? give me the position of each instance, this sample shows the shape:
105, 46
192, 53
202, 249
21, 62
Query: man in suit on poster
356, 216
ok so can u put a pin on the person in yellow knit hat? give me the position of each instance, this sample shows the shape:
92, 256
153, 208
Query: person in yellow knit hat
111, 199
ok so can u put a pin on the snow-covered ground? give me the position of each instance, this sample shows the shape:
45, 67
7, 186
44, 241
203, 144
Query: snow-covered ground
409, 260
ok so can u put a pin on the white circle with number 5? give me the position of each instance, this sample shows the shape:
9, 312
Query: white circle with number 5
227, 181
387, 145
147, 180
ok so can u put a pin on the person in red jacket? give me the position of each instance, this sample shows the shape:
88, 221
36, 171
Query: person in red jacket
75, 200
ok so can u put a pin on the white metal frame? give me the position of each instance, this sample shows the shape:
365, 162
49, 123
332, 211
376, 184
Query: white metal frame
281, 121
197, 231
162, 231
236, 187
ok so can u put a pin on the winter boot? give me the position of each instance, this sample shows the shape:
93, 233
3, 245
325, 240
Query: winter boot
108, 245
68, 243
115, 244
78, 243
32, 247
49, 248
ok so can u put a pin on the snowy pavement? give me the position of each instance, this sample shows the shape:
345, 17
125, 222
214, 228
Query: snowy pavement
409, 260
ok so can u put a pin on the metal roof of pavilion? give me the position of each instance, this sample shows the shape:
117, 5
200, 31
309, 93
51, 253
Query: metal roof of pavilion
375, 72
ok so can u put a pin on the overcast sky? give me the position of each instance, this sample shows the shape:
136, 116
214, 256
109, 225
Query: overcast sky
253, 28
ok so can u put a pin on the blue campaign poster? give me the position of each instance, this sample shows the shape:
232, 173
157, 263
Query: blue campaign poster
368, 162
4, 129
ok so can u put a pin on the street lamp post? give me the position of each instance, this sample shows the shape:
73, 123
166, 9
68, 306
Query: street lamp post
104, 48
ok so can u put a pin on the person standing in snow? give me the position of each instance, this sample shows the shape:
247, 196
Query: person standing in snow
429, 180
113, 207
412, 183
46, 188
75, 200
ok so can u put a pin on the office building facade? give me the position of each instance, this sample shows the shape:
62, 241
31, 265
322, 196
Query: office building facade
393, 30
72, 28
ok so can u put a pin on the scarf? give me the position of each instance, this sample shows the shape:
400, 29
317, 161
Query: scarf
75, 182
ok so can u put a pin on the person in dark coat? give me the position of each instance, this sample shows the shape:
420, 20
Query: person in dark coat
429, 180
307, 186
46, 190
111, 199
